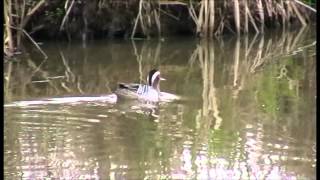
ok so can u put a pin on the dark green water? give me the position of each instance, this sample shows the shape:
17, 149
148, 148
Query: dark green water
247, 110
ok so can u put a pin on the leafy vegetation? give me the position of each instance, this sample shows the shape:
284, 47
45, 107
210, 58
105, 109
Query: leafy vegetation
84, 19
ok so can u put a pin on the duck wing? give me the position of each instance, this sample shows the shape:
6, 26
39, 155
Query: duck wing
140, 89
131, 86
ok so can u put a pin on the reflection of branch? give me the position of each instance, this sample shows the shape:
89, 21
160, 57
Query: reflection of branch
38, 68
268, 48
206, 59
304, 47
258, 59
78, 86
212, 91
245, 69
287, 42
8, 78
43, 73
291, 82
67, 73
298, 37
148, 54
68, 70
215, 109
236, 70
191, 62
251, 44
30, 38
139, 59
236, 62
157, 53
63, 84
273, 54
193, 58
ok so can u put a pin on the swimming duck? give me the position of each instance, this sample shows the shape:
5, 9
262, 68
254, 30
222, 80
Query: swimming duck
147, 92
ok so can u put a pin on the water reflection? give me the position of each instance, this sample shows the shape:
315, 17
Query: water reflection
248, 111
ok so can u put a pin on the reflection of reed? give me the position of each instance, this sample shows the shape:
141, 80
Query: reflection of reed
287, 44
91, 77
138, 59
27, 74
160, 152
7, 78
206, 56
267, 51
236, 62
146, 55
248, 57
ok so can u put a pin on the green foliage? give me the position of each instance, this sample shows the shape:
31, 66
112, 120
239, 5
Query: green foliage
310, 2
55, 16
275, 84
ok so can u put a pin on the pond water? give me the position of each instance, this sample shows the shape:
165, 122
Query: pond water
247, 109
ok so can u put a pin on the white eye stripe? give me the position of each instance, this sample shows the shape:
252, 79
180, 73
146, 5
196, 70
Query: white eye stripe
154, 76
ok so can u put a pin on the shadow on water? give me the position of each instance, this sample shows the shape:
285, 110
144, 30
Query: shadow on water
248, 110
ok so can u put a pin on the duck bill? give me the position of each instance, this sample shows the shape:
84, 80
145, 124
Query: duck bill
162, 79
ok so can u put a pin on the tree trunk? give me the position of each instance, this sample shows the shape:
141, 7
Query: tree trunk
237, 16
211, 22
8, 20
261, 14
246, 29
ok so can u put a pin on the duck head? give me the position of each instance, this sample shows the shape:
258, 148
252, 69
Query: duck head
154, 79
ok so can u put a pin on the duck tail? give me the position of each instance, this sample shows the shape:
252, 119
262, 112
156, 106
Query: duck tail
123, 86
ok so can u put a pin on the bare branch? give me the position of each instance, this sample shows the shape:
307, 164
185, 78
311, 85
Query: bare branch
66, 16
35, 8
